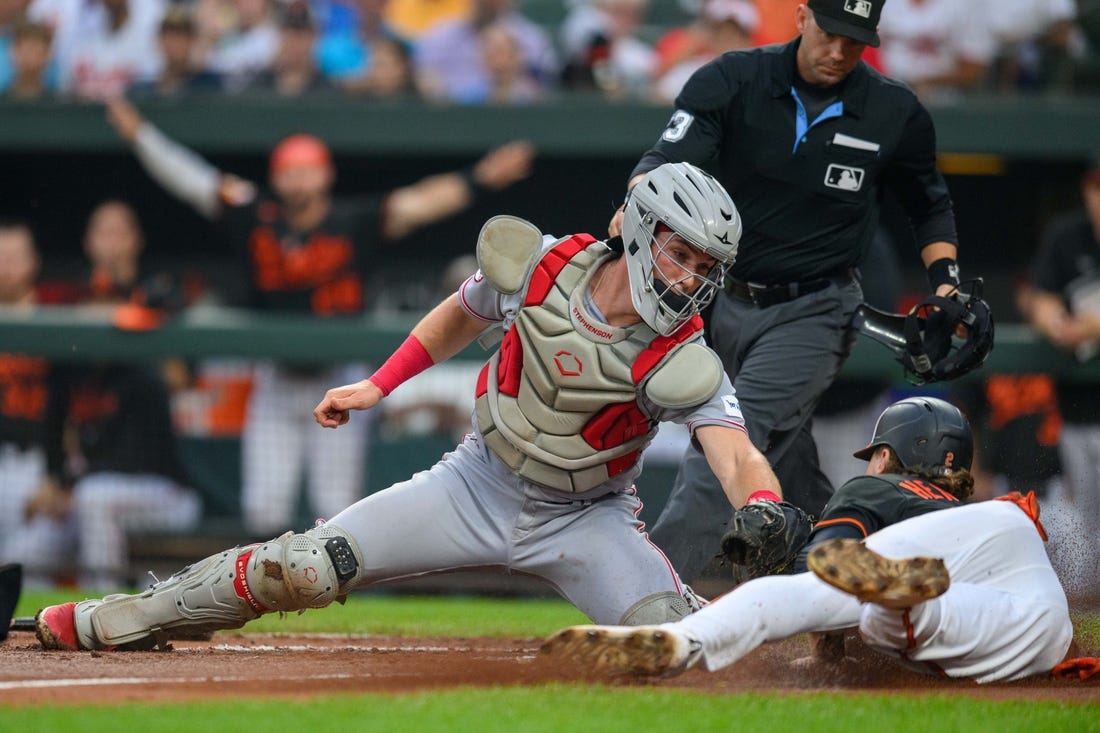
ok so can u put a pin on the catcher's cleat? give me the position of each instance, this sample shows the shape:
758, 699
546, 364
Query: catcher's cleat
856, 569
55, 627
644, 651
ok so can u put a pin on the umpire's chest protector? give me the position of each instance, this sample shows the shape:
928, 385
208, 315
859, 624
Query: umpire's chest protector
558, 402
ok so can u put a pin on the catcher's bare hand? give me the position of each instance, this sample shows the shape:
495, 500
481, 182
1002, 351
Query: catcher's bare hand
335, 409
764, 538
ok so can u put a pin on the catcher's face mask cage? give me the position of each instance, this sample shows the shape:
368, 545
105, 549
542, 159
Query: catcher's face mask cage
943, 338
680, 199
924, 433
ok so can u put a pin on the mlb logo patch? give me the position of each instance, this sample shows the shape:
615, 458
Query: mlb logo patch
862, 8
844, 177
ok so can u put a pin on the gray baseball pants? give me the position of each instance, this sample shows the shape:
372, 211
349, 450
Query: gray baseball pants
471, 511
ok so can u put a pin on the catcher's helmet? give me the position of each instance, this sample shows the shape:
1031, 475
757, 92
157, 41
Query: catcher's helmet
691, 203
927, 341
923, 432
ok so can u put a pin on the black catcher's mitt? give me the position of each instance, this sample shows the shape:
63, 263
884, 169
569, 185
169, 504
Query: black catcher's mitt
764, 538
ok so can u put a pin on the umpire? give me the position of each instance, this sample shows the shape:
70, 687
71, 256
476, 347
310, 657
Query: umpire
804, 136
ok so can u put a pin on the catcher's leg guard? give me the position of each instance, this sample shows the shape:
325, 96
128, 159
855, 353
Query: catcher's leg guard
290, 573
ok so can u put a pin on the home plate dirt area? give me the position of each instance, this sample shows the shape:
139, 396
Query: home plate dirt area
254, 665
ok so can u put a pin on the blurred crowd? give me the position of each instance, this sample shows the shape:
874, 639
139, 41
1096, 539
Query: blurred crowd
507, 51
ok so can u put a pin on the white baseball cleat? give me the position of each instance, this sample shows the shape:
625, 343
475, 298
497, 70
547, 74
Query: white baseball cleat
645, 651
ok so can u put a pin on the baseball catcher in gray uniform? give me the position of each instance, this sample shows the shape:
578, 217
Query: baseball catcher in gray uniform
599, 346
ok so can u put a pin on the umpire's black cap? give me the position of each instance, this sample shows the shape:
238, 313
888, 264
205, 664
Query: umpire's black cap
855, 19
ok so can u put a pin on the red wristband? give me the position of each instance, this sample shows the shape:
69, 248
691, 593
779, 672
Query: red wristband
762, 495
410, 359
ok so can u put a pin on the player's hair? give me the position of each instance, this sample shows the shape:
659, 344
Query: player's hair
958, 482
12, 223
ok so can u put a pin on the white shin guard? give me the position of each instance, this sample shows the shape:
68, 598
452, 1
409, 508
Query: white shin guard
290, 573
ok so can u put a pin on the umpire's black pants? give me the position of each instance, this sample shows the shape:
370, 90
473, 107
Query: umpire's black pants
781, 358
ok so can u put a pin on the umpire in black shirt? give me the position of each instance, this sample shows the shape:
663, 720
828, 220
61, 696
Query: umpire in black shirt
804, 136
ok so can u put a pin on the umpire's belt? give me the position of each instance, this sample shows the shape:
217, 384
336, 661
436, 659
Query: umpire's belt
765, 295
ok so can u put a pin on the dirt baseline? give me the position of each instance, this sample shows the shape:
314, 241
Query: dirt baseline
237, 666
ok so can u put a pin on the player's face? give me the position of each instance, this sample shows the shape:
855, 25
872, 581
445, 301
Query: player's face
301, 185
112, 235
18, 264
681, 265
1090, 192
824, 59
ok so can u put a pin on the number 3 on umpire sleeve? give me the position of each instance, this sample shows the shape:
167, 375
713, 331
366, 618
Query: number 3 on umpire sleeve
678, 126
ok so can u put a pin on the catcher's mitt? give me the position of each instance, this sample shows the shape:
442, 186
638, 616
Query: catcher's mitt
764, 538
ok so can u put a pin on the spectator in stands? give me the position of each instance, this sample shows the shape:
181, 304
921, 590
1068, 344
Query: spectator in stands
507, 79
603, 50
1086, 65
11, 12
345, 53
1036, 39
776, 21
335, 16
30, 62
939, 47
389, 74
1062, 301
23, 390
179, 74
105, 46
722, 25
294, 71
450, 58
685, 42
412, 19
308, 253
246, 48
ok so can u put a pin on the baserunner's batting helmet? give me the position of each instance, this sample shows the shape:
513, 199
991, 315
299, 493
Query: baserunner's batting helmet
923, 432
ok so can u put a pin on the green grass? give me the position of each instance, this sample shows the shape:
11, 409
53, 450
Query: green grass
573, 708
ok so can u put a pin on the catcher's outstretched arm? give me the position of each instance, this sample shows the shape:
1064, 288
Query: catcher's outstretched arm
739, 466
441, 334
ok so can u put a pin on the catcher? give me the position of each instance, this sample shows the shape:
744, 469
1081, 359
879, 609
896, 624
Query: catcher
991, 609
600, 344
